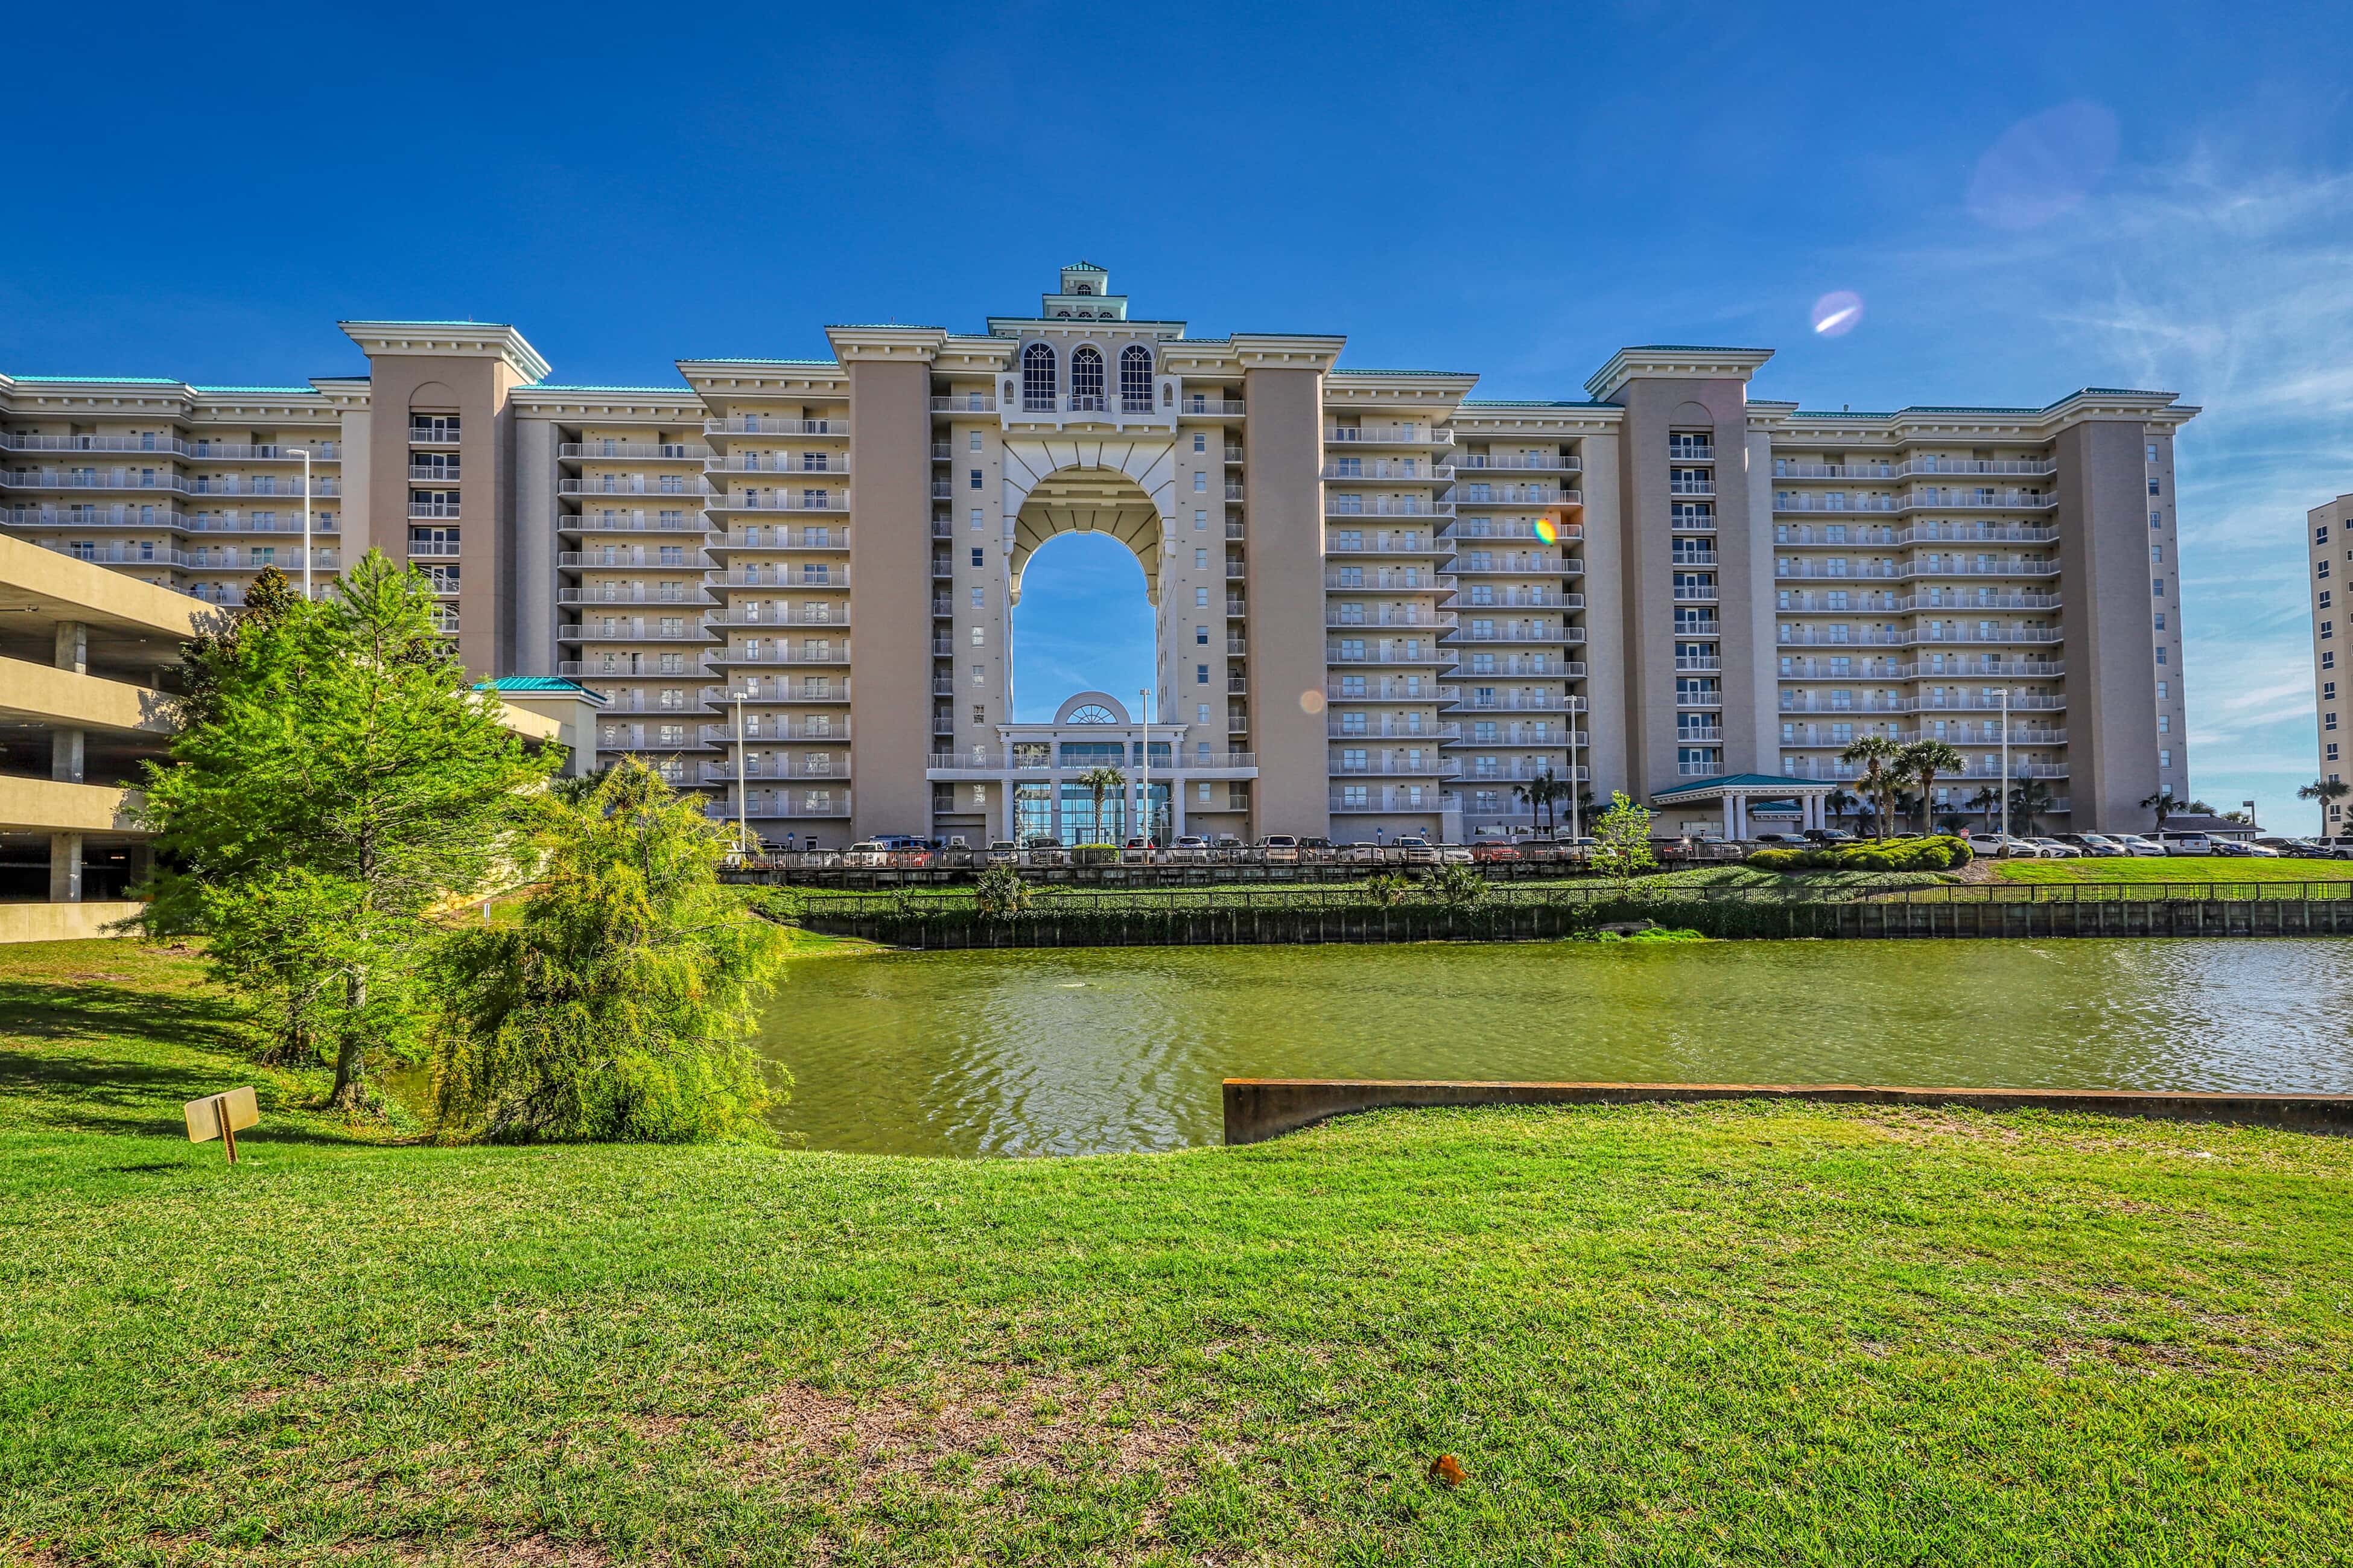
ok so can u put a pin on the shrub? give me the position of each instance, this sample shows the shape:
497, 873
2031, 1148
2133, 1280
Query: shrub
1938, 854
1000, 893
1780, 859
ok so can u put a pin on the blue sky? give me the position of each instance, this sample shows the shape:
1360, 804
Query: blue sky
1515, 190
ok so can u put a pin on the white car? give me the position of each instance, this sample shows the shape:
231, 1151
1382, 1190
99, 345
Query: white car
2186, 843
2052, 849
2101, 844
1190, 850
2135, 845
1417, 852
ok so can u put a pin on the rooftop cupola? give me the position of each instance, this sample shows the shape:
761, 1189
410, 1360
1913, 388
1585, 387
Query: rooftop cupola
1086, 296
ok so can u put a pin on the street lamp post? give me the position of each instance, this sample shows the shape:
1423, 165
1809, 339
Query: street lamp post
1146, 802
2001, 785
306, 523
743, 792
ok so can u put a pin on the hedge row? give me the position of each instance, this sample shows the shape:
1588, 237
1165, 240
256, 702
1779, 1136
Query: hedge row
1941, 853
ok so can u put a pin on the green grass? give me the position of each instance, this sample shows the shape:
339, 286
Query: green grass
1732, 1335
2172, 868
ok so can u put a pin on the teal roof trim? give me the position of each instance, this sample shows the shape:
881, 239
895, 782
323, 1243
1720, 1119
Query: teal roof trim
680, 391
1533, 403
1916, 408
1358, 369
747, 359
1742, 782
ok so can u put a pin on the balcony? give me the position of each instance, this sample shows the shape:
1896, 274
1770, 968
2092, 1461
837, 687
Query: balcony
161, 516
1691, 451
779, 689
775, 424
786, 806
1409, 580
2024, 467
1907, 604
1343, 507
1698, 734
1387, 797
1899, 636
779, 500
615, 520
1432, 763
623, 594
1234, 531
434, 475
809, 575
1388, 435
1692, 560
1227, 407
1523, 632
1514, 495
1414, 469
1506, 563
1536, 465
1386, 542
772, 728
965, 403
1468, 699
754, 620
1695, 594
689, 630
1430, 654
1940, 667
1900, 571
666, 451
433, 509
1334, 616
1705, 486
1234, 607
1410, 727
1236, 686
1519, 770
1698, 661
638, 557
1471, 531
781, 652
92, 480
440, 433
776, 538
942, 489
1983, 497
811, 465
760, 769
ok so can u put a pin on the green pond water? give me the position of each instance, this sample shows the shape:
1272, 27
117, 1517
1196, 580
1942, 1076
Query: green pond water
1085, 1051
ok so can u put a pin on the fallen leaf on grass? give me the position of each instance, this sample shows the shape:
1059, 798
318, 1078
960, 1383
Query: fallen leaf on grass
1447, 1469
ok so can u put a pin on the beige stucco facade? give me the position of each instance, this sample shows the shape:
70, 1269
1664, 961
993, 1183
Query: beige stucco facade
2328, 551
1381, 605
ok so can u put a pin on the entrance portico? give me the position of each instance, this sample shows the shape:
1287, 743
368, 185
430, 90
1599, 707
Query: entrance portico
1033, 778
1737, 795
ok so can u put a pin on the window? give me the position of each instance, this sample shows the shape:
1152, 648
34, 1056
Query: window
2320, 535
976, 520
975, 554
2164, 724
1201, 598
975, 479
2160, 658
1201, 716
2152, 451
1200, 518
1038, 378
1135, 380
2156, 586
1087, 379
2160, 620
1201, 637
2156, 520
2165, 759
1201, 441
1201, 482
1200, 675
980, 636
2153, 488
2156, 554
980, 598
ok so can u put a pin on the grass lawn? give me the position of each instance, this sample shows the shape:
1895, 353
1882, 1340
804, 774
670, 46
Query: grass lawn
1729, 1335
2173, 868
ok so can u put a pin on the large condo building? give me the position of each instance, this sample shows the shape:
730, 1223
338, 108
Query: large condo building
1379, 603
2329, 540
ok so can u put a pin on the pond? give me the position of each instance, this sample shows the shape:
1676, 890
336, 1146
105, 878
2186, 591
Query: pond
1092, 1050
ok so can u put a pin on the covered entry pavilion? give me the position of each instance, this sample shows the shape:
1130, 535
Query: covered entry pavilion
1738, 793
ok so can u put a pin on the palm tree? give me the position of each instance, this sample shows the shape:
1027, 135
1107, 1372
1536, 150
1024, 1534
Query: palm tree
1839, 801
2160, 803
1922, 761
1102, 781
2028, 799
2327, 792
1540, 792
1876, 756
1985, 803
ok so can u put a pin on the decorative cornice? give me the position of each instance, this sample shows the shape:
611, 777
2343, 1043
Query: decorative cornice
1680, 362
1288, 351
450, 340
916, 344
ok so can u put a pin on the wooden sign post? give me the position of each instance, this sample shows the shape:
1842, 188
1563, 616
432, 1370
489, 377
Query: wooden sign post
221, 1116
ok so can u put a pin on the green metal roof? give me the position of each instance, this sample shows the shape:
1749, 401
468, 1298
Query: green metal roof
681, 389
1957, 408
542, 686
1533, 403
1742, 782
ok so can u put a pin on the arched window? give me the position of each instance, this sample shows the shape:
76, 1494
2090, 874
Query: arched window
1087, 380
1038, 379
1135, 379
1082, 288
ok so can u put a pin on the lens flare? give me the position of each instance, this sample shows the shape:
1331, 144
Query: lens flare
1546, 531
2044, 165
1311, 702
1836, 314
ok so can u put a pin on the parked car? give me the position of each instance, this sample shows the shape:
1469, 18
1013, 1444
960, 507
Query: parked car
867, 855
1190, 850
2244, 850
2186, 843
1492, 852
1827, 835
1780, 840
1454, 854
1002, 853
1280, 849
1543, 848
2056, 849
1417, 852
2096, 844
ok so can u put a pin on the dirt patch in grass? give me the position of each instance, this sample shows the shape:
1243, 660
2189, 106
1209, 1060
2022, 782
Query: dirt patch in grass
974, 1432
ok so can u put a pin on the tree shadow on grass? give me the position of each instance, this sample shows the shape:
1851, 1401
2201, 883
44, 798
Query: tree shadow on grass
125, 1060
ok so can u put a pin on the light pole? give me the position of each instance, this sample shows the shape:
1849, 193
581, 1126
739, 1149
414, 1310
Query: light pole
2001, 785
1576, 830
742, 794
1146, 802
306, 523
